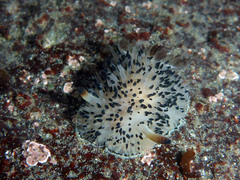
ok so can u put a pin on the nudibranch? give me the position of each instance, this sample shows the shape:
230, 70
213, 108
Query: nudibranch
136, 103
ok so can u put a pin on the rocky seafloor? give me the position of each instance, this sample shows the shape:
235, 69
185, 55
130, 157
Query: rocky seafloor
51, 48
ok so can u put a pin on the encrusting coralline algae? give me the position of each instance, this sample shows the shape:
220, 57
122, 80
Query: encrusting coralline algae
136, 104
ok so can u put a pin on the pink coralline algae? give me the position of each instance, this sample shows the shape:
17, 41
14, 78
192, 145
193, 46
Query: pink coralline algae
35, 153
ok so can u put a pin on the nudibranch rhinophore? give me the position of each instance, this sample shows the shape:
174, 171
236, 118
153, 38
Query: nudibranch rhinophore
136, 103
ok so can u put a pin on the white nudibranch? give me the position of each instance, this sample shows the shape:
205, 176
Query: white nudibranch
137, 102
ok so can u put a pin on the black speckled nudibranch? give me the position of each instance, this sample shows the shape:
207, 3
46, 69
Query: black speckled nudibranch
136, 103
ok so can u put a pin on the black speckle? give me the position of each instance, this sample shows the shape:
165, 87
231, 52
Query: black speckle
97, 133
143, 106
141, 100
99, 120
154, 77
151, 86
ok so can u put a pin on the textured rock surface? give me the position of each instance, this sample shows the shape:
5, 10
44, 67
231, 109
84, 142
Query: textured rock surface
47, 45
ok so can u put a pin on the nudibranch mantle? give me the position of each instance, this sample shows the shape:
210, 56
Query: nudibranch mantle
137, 102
